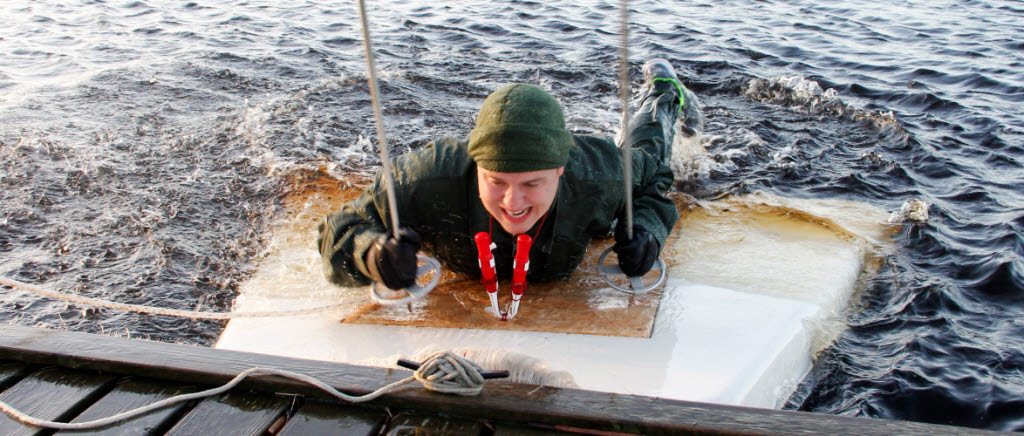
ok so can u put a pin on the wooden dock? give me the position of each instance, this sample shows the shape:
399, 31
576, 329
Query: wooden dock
77, 377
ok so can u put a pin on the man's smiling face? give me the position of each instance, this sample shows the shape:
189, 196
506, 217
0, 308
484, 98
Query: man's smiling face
518, 200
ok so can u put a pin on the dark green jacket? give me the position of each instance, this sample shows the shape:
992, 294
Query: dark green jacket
437, 196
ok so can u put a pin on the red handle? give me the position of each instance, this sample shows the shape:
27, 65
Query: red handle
483, 248
522, 263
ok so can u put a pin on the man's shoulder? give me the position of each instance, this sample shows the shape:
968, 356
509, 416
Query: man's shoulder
593, 156
592, 141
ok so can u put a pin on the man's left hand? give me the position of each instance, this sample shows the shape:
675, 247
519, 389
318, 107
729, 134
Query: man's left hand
636, 256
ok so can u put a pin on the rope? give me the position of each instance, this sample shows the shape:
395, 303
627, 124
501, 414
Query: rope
627, 155
415, 291
450, 373
442, 372
371, 70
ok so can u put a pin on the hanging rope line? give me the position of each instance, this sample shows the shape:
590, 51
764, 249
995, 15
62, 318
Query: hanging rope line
626, 145
607, 271
416, 291
443, 372
378, 114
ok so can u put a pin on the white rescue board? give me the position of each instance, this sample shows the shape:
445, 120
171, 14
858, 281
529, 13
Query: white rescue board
758, 285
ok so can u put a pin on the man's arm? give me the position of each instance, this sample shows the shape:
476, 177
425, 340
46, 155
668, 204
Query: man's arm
346, 236
652, 210
423, 178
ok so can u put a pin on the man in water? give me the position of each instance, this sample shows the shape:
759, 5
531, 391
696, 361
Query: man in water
521, 168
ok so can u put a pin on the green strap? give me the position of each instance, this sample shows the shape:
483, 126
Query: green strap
679, 88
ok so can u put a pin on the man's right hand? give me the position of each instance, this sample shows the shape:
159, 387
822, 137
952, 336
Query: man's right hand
393, 261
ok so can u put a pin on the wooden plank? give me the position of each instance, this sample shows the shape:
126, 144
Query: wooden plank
235, 413
513, 403
417, 424
320, 417
185, 363
11, 372
132, 393
584, 304
53, 394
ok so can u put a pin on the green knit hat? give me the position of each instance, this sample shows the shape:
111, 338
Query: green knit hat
520, 128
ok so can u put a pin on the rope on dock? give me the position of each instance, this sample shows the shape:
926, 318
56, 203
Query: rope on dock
443, 372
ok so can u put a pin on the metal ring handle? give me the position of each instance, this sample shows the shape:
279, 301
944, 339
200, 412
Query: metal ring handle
416, 291
636, 283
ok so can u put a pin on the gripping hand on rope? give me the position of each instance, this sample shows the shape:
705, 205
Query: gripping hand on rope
393, 261
637, 255
636, 248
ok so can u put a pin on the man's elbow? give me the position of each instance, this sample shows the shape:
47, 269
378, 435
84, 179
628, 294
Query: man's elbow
341, 272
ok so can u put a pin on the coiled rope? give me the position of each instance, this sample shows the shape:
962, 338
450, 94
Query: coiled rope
443, 372
450, 373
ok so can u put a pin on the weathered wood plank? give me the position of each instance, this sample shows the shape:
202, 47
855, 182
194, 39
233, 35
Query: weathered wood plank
416, 424
53, 394
514, 403
11, 372
235, 413
319, 417
185, 363
132, 393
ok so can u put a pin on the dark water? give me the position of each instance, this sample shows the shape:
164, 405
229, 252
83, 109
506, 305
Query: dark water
145, 148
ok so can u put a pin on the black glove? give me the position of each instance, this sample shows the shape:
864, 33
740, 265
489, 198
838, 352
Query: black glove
636, 256
393, 261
